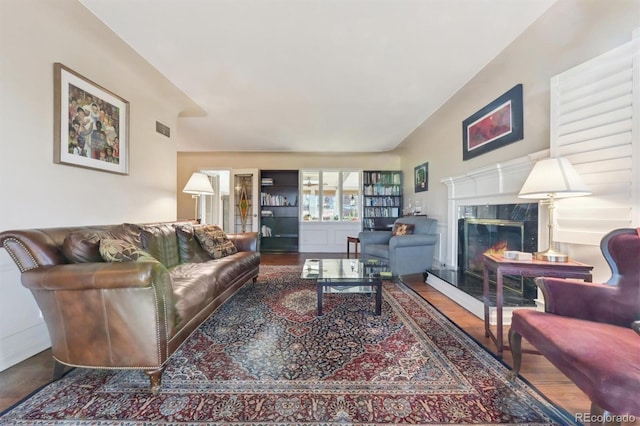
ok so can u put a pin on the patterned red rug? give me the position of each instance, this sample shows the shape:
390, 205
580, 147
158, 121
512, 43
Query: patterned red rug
265, 358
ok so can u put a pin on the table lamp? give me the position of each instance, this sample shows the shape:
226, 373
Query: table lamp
550, 179
198, 184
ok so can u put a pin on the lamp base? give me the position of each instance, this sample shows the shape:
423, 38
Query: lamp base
551, 256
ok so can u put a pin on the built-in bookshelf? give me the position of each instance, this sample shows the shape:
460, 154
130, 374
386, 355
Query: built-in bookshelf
279, 210
382, 199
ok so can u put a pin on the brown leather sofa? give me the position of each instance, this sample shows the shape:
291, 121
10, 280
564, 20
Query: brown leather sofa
126, 315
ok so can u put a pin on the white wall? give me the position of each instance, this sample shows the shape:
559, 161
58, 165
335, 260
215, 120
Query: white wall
35, 192
569, 33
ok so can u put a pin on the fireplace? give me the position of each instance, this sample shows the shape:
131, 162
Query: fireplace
495, 229
490, 236
486, 193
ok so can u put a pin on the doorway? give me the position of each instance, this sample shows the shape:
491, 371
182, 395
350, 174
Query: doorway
215, 209
235, 205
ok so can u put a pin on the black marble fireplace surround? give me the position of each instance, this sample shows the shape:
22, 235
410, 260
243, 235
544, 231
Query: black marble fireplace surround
494, 228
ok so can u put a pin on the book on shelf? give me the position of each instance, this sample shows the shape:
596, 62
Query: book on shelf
267, 199
266, 231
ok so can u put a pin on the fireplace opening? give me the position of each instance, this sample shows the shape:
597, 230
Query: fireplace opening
491, 236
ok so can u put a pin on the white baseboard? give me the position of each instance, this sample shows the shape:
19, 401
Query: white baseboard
22, 345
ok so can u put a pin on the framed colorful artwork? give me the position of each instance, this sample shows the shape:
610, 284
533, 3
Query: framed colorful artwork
421, 177
91, 124
494, 126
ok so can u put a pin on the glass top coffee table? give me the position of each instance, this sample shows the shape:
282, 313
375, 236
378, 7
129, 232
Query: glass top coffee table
346, 276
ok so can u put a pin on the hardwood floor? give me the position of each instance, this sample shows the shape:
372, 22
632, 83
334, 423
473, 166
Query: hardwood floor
20, 380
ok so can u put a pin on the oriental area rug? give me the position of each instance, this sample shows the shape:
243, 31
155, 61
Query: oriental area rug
265, 358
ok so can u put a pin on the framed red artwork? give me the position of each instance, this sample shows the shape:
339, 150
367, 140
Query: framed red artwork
494, 126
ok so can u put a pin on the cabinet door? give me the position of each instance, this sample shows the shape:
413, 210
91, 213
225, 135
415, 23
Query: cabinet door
245, 199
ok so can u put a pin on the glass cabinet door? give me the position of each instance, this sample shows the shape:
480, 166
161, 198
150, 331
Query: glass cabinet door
245, 201
351, 196
310, 190
330, 196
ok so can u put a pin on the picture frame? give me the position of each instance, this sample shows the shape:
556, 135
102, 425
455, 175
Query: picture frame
421, 177
494, 126
91, 124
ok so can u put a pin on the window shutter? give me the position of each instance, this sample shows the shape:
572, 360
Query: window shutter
595, 123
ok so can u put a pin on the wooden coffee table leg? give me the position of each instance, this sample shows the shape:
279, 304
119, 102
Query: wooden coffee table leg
379, 297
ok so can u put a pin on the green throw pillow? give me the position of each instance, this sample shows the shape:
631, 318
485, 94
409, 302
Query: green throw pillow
123, 251
214, 241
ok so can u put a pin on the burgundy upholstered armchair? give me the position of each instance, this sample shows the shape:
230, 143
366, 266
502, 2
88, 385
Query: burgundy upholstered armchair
591, 331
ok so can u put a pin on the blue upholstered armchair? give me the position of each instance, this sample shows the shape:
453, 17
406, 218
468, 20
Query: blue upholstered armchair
405, 254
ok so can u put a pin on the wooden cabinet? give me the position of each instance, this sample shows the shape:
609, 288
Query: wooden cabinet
382, 199
279, 211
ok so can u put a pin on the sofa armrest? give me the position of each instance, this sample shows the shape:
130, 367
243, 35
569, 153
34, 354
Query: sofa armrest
31, 248
374, 237
577, 299
412, 240
106, 314
93, 276
245, 241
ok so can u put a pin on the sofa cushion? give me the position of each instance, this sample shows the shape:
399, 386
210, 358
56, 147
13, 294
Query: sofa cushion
161, 242
84, 246
189, 248
196, 285
123, 251
214, 241
402, 229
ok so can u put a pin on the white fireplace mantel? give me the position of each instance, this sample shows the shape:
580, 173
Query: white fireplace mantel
499, 183
495, 184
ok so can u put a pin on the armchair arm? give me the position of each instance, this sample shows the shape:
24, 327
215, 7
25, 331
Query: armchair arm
374, 237
412, 240
582, 300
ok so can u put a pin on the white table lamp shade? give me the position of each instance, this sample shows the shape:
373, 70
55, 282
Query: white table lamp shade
198, 184
554, 177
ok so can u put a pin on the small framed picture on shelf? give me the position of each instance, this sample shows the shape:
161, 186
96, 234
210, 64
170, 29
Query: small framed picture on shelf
421, 177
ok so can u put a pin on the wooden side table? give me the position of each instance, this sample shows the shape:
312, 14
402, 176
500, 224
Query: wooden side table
355, 241
531, 268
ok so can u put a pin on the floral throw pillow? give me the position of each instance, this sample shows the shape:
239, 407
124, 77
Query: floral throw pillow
214, 241
402, 229
123, 251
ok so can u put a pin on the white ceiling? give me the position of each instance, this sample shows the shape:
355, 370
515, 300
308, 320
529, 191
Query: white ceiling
314, 75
